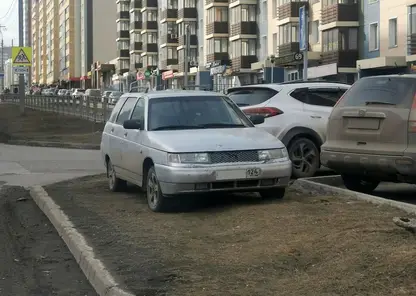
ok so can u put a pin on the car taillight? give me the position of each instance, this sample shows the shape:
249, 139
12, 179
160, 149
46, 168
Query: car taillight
412, 117
265, 111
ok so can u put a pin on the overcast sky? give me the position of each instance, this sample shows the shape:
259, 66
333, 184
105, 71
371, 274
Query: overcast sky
10, 20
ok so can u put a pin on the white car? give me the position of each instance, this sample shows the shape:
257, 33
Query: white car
78, 93
296, 113
190, 142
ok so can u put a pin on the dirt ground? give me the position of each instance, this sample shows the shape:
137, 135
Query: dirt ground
42, 126
34, 261
241, 245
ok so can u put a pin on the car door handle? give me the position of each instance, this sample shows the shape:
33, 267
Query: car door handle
125, 134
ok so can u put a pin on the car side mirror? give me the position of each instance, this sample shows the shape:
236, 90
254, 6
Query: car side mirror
257, 119
132, 124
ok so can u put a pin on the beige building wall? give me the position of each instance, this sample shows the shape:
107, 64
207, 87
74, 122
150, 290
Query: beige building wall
52, 58
67, 10
35, 42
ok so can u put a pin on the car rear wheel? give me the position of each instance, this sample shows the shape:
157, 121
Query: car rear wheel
156, 201
359, 184
115, 184
274, 193
304, 155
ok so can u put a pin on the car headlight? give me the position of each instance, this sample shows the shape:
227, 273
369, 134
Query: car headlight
188, 158
273, 154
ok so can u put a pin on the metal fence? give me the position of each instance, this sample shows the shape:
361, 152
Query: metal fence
94, 109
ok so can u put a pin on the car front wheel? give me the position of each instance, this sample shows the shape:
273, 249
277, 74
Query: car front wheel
156, 201
304, 155
359, 184
114, 184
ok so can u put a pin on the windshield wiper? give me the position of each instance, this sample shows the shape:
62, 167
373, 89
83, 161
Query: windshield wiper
219, 125
379, 103
173, 127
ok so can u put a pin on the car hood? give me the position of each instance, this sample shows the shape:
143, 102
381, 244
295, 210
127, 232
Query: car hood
207, 140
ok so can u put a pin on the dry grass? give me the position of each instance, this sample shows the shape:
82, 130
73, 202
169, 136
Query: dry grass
240, 245
46, 126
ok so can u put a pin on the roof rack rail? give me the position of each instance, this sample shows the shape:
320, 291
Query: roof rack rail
310, 81
192, 87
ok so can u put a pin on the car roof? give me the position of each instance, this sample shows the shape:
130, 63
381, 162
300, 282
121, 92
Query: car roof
393, 75
293, 84
175, 93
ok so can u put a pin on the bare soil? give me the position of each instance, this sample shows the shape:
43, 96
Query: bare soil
34, 261
241, 245
43, 126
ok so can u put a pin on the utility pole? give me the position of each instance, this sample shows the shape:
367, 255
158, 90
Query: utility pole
187, 50
2, 57
21, 76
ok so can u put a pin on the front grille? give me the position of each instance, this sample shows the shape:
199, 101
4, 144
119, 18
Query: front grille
234, 156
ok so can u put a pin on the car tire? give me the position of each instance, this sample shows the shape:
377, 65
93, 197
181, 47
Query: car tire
359, 184
156, 201
273, 193
115, 184
304, 155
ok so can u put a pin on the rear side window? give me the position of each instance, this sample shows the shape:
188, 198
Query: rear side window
388, 91
117, 109
251, 96
326, 97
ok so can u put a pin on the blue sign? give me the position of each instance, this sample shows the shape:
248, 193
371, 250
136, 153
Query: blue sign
302, 29
1, 75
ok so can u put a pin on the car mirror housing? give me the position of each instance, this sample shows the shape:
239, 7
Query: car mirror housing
132, 124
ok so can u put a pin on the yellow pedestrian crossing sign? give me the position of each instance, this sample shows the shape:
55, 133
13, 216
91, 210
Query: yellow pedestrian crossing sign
22, 56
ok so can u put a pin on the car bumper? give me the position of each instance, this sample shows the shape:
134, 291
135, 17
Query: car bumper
369, 164
180, 180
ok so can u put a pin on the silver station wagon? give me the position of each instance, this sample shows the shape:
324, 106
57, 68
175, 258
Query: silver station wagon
172, 143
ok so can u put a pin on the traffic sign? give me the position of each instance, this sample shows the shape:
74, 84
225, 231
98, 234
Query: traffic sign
21, 56
21, 70
1, 75
147, 73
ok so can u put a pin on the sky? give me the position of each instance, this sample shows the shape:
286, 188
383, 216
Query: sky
10, 20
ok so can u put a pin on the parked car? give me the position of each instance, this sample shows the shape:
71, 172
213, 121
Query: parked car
371, 133
78, 93
62, 92
93, 94
296, 113
190, 142
114, 97
105, 96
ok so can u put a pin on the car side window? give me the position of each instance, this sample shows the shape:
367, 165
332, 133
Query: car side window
323, 97
117, 109
126, 110
138, 112
249, 96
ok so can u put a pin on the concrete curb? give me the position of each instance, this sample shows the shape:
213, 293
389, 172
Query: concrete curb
54, 144
95, 271
309, 186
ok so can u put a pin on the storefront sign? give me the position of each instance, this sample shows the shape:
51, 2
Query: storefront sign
289, 59
139, 76
167, 75
217, 70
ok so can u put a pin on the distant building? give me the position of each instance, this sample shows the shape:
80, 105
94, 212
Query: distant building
10, 79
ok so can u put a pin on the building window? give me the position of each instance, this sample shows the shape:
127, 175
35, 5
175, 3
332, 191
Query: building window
150, 16
123, 26
152, 60
217, 14
373, 40
314, 32
151, 37
186, 4
288, 33
182, 27
330, 40
124, 64
248, 47
333, 2
393, 32
172, 53
412, 19
243, 13
123, 44
217, 45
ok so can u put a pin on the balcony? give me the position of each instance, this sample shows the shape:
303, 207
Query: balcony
344, 59
218, 56
187, 13
149, 3
243, 62
290, 9
135, 5
123, 53
168, 62
169, 39
193, 40
287, 49
137, 65
150, 25
125, 34
136, 25
340, 13
123, 15
136, 46
150, 47
244, 28
411, 44
169, 13
217, 28
208, 2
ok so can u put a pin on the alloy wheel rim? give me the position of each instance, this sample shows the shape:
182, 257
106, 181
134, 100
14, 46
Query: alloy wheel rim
152, 190
303, 157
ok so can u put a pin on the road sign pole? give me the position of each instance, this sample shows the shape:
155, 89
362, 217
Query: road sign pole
21, 76
304, 38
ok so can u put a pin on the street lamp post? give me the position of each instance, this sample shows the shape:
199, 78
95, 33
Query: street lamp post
272, 61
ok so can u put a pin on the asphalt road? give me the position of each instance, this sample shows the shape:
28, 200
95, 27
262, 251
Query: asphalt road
28, 166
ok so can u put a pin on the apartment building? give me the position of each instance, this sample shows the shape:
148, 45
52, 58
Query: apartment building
390, 37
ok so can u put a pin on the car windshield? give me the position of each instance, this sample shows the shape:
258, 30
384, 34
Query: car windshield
116, 94
80, 90
195, 113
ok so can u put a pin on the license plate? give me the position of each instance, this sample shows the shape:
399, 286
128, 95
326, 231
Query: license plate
253, 173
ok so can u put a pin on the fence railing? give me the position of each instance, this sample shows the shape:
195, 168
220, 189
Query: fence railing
93, 109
